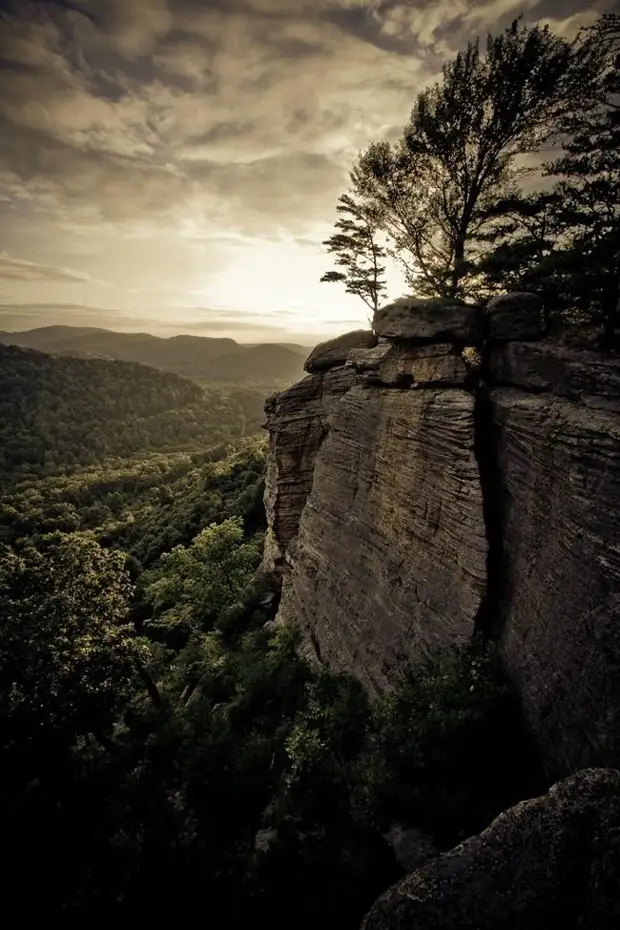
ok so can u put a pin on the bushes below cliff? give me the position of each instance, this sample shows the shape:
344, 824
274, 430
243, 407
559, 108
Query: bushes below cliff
443, 752
226, 773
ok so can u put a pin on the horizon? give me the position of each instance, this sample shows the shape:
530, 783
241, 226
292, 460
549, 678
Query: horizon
135, 332
172, 167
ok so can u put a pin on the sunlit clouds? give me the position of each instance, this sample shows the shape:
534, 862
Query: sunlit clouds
173, 165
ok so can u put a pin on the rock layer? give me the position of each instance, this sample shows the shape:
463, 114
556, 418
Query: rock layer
403, 365
335, 351
390, 559
552, 861
435, 320
297, 420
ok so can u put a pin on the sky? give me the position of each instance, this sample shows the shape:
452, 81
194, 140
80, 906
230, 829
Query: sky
173, 166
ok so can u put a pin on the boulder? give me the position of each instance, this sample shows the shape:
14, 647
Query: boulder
433, 320
515, 316
548, 862
401, 365
552, 366
334, 352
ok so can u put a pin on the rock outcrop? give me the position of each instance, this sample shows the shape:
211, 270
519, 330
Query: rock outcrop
404, 365
549, 862
515, 316
430, 321
414, 496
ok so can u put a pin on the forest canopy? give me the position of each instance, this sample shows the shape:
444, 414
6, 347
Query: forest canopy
57, 413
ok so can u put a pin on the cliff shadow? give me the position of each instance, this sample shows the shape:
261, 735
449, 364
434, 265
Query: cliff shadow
490, 619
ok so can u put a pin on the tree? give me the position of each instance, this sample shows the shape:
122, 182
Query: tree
435, 188
566, 242
68, 658
193, 585
357, 251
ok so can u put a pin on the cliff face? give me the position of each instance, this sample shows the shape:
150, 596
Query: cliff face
558, 456
418, 492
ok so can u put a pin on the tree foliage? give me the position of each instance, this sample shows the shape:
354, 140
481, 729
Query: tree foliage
193, 585
68, 658
357, 250
434, 191
565, 242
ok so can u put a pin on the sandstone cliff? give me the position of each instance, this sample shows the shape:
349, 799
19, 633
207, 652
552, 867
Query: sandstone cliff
461, 471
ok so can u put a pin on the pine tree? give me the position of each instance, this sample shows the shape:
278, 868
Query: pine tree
588, 213
357, 251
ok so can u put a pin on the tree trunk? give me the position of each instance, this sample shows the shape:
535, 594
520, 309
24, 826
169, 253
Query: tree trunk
457, 265
149, 684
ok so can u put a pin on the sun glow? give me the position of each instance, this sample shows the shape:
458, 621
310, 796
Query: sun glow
280, 280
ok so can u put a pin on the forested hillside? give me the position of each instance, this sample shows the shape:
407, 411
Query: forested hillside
200, 358
58, 413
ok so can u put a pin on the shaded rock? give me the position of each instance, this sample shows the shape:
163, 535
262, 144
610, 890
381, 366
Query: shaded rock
548, 862
551, 366
411, 847
515, 316
368, 361
433, 320
334, 352
297, 420
559, 463
400, 364
390, 559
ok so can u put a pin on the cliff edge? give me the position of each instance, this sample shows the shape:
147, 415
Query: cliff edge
457, 470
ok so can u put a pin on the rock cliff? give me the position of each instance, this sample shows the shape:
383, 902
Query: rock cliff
458, 471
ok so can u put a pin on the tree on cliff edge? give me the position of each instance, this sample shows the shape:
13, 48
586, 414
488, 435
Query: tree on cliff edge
434, 190
357, 251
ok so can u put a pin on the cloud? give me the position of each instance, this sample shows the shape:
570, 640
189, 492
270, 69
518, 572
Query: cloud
15, 269
19, 316
138, 138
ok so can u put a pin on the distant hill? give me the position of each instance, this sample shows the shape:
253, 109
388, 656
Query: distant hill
59, 413
197, 357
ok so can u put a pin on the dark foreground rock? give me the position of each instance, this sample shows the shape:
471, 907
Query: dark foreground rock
550, 862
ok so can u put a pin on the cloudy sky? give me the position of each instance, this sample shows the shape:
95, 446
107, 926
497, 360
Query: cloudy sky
173, 165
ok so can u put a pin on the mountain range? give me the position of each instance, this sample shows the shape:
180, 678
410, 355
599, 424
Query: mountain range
200, 358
